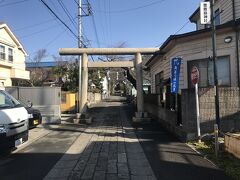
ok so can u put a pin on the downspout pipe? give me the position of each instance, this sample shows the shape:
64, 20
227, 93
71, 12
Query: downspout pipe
237, 42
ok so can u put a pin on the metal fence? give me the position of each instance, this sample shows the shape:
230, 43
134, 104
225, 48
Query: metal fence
46, 99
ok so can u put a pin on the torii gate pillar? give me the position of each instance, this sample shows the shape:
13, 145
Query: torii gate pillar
139, 78
84, 92
140, 115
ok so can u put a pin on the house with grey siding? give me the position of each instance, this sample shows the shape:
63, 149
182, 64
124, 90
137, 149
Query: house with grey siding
178, 113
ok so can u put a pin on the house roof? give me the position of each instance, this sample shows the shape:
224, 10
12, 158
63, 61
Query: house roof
189, 34
195, 12
41, 64
48, 64
19, 45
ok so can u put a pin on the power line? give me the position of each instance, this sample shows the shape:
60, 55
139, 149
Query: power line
103, 35
45, 29
37, 32
67, 13
12, 3
109, 18
76, 2
45, 4
34, 25
183, 26
133, 9
95, 30
106, 22
55, 38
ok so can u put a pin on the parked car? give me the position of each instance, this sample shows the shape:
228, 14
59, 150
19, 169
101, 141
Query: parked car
34, 115
13, 122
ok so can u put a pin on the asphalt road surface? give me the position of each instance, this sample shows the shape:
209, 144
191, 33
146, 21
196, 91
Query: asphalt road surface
37, 159
169, 158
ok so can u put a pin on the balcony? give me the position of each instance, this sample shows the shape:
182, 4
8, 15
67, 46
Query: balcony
20, 74
6, 63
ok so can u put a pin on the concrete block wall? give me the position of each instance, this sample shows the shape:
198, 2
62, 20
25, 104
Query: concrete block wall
229, 99
229, 111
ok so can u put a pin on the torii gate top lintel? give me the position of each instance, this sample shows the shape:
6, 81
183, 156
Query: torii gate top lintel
107, 51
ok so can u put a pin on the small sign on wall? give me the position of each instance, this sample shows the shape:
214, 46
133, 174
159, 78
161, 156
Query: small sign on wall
205, 13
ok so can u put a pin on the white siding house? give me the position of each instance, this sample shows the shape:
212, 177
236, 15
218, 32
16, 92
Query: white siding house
12, 57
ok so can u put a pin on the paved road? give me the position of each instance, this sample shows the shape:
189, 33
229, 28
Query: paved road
108, 149
36, 160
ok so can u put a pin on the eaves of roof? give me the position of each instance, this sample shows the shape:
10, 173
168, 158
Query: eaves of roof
151, 59
198, 32
195, 12
8, 30
193, 33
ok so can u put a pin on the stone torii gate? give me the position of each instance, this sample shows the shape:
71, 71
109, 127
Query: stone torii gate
138, 52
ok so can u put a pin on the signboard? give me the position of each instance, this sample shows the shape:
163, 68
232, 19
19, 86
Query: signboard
194, 75
205, 13
175, 73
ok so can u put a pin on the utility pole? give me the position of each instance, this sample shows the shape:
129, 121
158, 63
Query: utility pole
80, 57
214, 58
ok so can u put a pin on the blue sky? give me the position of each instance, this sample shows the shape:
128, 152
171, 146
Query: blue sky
137, 23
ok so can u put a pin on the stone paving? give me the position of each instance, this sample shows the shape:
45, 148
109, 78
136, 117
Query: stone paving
107, 149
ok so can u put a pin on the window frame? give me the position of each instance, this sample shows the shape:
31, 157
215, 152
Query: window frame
10, 59
160, 78
207, 60
2, 53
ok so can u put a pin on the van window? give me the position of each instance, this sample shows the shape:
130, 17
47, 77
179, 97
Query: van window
7, 101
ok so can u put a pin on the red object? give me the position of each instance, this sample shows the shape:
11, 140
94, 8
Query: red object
194, 75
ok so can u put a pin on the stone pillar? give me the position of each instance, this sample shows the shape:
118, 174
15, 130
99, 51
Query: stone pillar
84, 94
138, 66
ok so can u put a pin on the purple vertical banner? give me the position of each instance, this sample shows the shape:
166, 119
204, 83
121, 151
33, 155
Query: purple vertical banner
175, 73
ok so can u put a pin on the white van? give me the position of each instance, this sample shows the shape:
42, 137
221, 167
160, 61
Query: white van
13, 122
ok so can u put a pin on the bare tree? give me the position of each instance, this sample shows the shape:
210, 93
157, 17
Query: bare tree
38, 74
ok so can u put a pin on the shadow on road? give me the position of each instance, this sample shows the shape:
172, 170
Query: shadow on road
108, 157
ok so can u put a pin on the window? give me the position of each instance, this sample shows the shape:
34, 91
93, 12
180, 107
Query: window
206, 76
10, 55
7, 101
217, 17
2, 52
158, 82
202, 66
223, 71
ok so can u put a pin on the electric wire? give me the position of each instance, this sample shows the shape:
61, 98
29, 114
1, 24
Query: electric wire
106, 22
55, 38
133, 9
46, 5
12, 3
183, 26
33, 25
103, 28
37, 32
76, 2
63, 6
109, 18
95, 30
